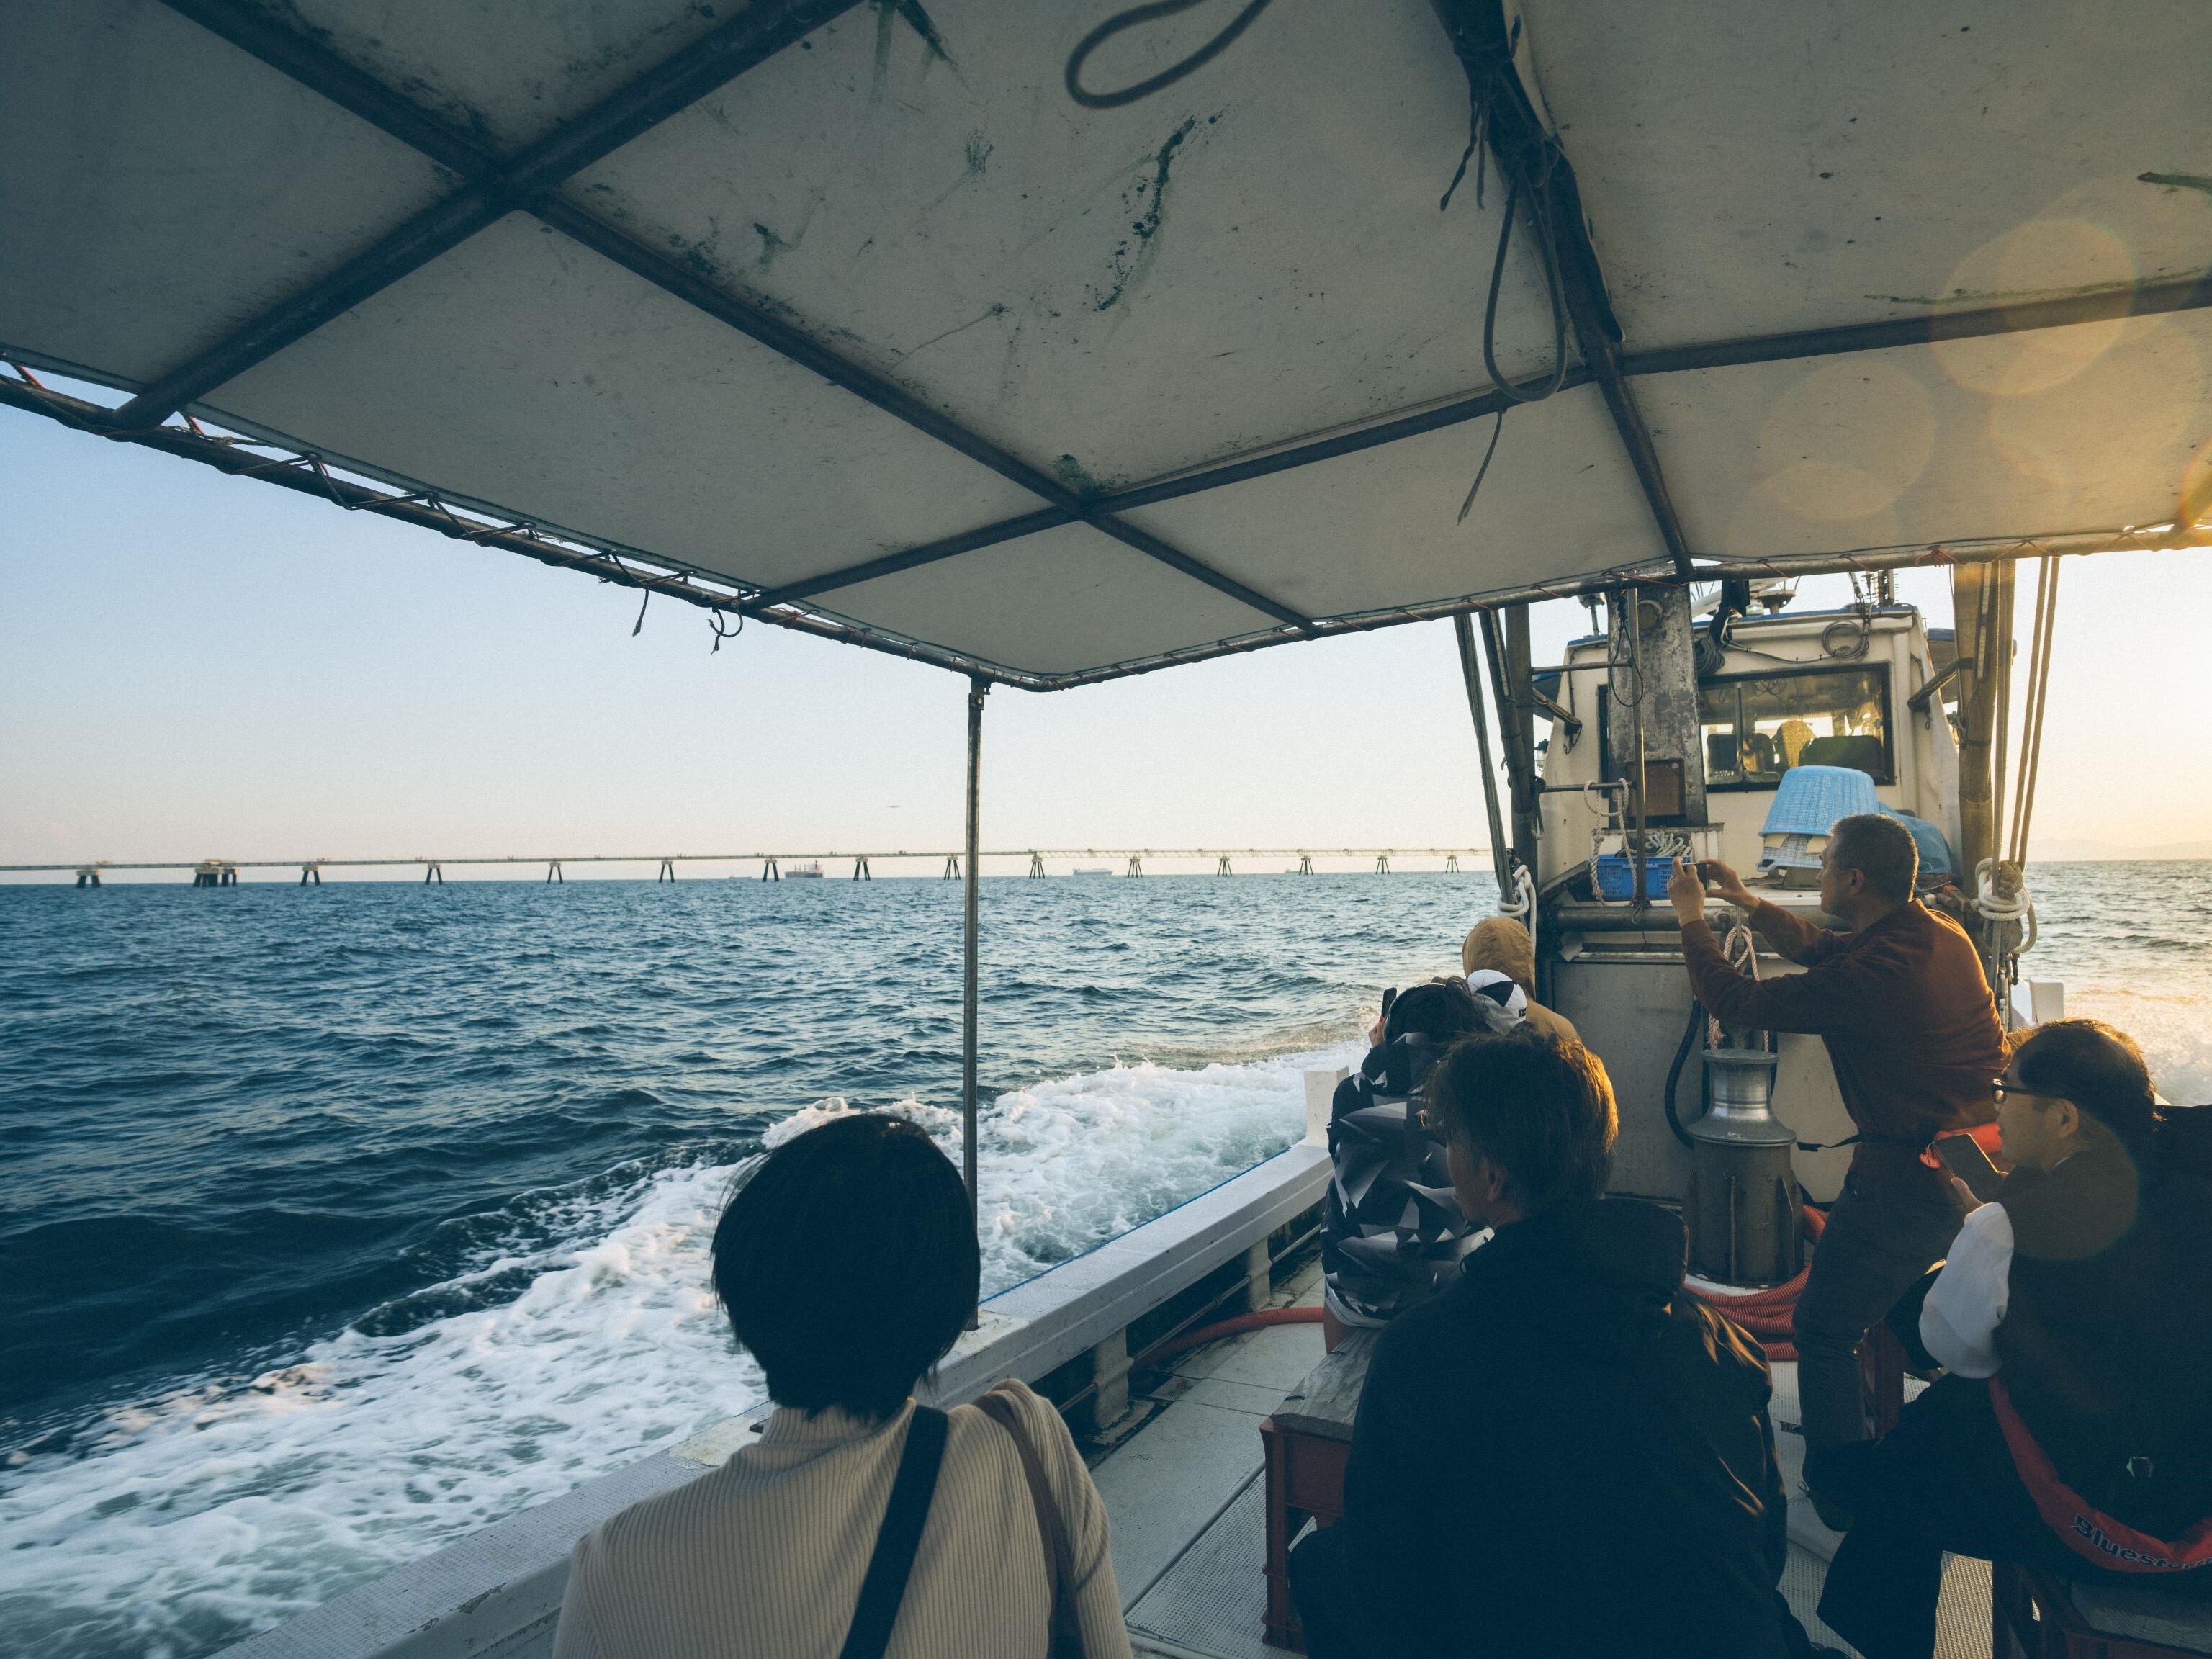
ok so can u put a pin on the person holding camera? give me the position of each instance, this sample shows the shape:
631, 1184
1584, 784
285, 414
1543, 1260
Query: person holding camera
1901, 1003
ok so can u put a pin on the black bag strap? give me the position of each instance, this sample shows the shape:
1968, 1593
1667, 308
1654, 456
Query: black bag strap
899, 1537
1067, 1629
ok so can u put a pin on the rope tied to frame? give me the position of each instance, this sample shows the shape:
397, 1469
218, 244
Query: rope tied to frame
1527, 171
1522, 905
714, 621
1483, 472
1123, 20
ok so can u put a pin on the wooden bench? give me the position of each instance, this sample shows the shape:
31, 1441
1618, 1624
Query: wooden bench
1307, 1440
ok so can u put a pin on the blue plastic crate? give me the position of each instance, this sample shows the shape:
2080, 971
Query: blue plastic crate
1616, 876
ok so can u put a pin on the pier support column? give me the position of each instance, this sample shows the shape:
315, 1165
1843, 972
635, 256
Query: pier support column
432, 871
1381, 864
1136, 865
769, 872
311, 875
87, 877
1109, 1377
1452, 864
1259, 1280
1036, 866
860, 870
229, 875
553, 873
1305, 863
1222, 869
952, 867
667, 872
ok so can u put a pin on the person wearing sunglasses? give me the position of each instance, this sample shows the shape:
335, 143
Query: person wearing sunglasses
2073, 1431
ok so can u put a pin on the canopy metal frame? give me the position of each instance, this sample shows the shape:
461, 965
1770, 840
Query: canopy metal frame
493, 187
529, 182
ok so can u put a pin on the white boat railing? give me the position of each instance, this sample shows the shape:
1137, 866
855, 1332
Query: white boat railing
497, 1594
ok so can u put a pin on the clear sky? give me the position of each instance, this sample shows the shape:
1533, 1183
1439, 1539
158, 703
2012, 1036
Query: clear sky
193, 665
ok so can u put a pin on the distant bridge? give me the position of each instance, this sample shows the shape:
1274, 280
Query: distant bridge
224, 872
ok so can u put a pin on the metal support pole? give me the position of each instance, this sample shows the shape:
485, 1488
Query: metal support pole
1632, 608
977, 690
1982, 606
1501, 856
1506, 646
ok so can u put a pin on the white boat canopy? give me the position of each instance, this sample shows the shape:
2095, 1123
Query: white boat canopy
850, 316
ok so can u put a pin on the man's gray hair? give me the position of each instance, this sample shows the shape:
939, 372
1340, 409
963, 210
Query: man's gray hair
1880, 849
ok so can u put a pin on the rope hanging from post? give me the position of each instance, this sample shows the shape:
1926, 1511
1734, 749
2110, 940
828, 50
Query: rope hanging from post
1741, 951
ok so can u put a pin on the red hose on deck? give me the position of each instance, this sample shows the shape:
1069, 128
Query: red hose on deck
1214, 1333
1770, 1314
1765, 1314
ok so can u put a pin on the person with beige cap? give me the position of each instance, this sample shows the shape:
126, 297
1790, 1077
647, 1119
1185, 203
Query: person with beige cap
1502, 944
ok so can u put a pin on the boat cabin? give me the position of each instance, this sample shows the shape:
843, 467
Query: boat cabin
1732, 705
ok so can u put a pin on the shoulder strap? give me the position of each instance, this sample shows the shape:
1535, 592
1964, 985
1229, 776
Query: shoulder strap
1059, 1558
899, 1537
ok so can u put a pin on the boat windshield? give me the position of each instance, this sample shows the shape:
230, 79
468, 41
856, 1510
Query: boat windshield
1757, 727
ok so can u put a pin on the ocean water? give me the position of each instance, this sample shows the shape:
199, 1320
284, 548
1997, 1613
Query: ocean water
338, 1223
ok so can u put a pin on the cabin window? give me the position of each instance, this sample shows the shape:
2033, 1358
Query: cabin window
1757, 727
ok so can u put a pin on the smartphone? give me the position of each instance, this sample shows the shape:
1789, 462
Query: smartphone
1389, 996
1962, 1155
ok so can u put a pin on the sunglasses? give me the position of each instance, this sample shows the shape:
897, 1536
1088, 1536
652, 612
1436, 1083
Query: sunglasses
2001, 1090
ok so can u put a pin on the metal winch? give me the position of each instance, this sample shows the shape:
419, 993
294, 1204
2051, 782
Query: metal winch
1742, 1203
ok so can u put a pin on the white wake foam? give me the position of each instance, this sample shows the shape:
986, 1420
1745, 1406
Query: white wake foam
190, 1521
2174, 1032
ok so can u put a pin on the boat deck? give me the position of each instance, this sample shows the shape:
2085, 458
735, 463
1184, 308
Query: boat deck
1187, 1499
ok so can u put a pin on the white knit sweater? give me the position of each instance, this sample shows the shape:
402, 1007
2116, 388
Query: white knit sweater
763, 1557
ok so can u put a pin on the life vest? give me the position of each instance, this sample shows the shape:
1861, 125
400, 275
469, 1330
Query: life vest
2085, 1530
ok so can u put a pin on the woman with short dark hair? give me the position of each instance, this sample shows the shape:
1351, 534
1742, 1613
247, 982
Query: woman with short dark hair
858, 1524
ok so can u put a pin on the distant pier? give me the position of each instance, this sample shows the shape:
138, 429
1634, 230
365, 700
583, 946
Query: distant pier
772, 865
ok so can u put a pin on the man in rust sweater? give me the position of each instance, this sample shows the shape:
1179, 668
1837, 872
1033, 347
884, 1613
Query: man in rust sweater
1902, 1003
